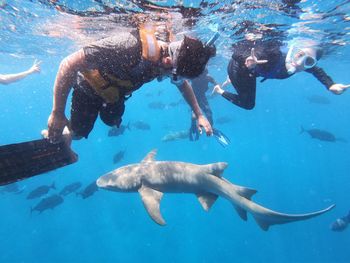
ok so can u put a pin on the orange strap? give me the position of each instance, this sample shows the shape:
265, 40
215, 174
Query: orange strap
150, 47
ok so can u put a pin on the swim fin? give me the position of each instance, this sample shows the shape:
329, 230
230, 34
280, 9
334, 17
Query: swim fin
221, 138
23, 160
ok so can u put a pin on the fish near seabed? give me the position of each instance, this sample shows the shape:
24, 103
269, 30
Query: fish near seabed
153, 178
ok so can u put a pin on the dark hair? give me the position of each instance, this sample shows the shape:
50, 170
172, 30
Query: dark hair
193, 57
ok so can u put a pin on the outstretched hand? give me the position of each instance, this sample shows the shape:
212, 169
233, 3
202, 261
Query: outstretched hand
252, 60
217, 89
36, 66
338, 88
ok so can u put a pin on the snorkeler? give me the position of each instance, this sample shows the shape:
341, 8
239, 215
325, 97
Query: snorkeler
200, 86
10, 78
105, 73
341, 223
271, 59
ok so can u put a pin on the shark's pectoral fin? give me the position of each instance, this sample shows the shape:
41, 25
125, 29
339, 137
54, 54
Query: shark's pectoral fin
151, 200
150, 157
241, 212
207, 200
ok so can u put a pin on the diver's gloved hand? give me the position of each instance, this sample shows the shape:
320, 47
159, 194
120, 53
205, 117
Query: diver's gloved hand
221, 138
338, 88
56, 124
252, 60
193, 132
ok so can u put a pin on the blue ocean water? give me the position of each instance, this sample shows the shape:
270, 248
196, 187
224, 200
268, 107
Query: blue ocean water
292, 172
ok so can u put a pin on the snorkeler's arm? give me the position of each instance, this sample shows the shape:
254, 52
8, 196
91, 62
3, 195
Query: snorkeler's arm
335, 88
65, 78
9, 78
322, 76
187, 92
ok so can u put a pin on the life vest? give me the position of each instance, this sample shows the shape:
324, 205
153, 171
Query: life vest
110, 88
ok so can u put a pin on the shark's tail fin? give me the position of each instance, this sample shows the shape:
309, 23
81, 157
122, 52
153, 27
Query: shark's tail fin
302, 130
265, 217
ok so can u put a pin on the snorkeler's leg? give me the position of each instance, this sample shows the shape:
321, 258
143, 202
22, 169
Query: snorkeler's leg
84, 112
111, 114
244, 84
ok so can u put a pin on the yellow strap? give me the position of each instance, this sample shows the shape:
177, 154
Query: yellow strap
109, 93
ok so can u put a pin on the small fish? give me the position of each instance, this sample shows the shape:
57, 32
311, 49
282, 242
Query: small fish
68, 189
340, 224
317, 99
141, 125
47, 203
223, 120
88, 190
173, 136
118, 156
40, 191
176, 103
115, 131
157, 105
321, 135
12, 188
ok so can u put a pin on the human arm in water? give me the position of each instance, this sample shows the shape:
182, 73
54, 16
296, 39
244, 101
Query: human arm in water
10, 78
65, 78
187, 92
327, 81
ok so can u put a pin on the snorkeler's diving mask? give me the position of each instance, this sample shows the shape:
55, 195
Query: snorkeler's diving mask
300, 58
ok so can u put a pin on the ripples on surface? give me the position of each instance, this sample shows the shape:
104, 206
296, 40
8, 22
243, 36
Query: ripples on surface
44, 27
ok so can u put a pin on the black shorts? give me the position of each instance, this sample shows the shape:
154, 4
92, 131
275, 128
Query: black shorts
86, 106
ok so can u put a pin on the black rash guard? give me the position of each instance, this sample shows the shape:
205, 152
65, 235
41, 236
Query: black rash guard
244, 80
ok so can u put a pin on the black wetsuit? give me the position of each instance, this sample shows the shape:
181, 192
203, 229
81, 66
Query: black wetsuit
120, 56
244, 80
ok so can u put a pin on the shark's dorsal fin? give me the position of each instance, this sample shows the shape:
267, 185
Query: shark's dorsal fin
151, 200
246, 192
150, 156
207, 200
216, 168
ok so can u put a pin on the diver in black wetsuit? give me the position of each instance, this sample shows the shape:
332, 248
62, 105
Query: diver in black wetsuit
271, 59
200, 86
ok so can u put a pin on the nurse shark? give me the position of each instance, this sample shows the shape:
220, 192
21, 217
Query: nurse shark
153, 178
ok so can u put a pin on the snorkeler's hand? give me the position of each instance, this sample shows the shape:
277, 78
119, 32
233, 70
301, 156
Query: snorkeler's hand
202, 122
36, 67
338, 88
252, 60
56, 124
217, 90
